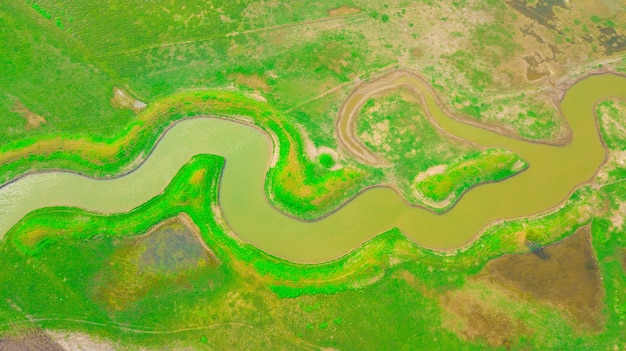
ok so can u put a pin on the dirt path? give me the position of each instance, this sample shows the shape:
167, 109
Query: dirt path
393, 80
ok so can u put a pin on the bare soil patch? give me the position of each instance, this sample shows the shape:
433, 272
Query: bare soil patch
430, 172
82, 342
617, 216
123, 100
563, 274
417, 52
32, 341
343, 10
33, 120
253, 81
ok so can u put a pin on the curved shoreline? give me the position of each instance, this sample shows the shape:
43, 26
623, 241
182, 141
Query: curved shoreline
353, 145
361, 216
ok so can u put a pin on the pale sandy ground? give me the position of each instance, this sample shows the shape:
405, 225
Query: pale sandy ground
81, 342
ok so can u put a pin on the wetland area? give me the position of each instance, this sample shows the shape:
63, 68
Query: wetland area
312, 175
555, 171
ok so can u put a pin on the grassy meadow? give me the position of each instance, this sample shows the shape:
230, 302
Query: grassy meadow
428, 165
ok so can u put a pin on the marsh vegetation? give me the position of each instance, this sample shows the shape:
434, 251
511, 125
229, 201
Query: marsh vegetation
91, 86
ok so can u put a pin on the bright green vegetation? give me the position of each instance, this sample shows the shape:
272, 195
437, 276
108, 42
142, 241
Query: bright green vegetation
555, 173
326, 160
611, 115
66, 57
81, 113
490, 62
296, 184
422, 157
493, 165
62, 266
613, 125
63, 61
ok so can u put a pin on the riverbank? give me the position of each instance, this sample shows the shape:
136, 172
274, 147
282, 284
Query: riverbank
200, 299
540, 189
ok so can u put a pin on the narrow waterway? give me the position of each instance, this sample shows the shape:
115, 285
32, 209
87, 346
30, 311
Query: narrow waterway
553, 173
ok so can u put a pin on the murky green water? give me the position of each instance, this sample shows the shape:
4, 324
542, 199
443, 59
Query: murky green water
553, 173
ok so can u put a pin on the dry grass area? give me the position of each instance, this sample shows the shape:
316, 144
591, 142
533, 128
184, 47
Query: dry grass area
32, 341
564, 274
168, 255
123, 100
498, 305
477, 317
253, 81
33, 120
198, 177
293, 179
498, 57
175, 245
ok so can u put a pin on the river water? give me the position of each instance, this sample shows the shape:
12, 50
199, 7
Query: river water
553, 173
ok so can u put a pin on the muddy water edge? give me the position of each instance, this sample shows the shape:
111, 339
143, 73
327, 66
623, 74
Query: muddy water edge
554, 172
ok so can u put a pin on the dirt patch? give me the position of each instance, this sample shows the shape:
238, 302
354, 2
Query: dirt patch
343, 11
439, 169
31, 341
417, 52
612, 41
253, 81
82, 342
476, 318
123, 100
33, 120
541, 11
313, 152
563, 274
617, 216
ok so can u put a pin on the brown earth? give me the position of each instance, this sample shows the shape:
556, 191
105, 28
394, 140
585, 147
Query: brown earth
417, 52
564, 274
33, 120
32, 341
343, 10
253, 81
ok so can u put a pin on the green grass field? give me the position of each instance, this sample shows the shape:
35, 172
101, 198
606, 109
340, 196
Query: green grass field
289, 66
397, 127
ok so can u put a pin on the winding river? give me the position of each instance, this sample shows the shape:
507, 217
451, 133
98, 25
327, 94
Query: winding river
553, 174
